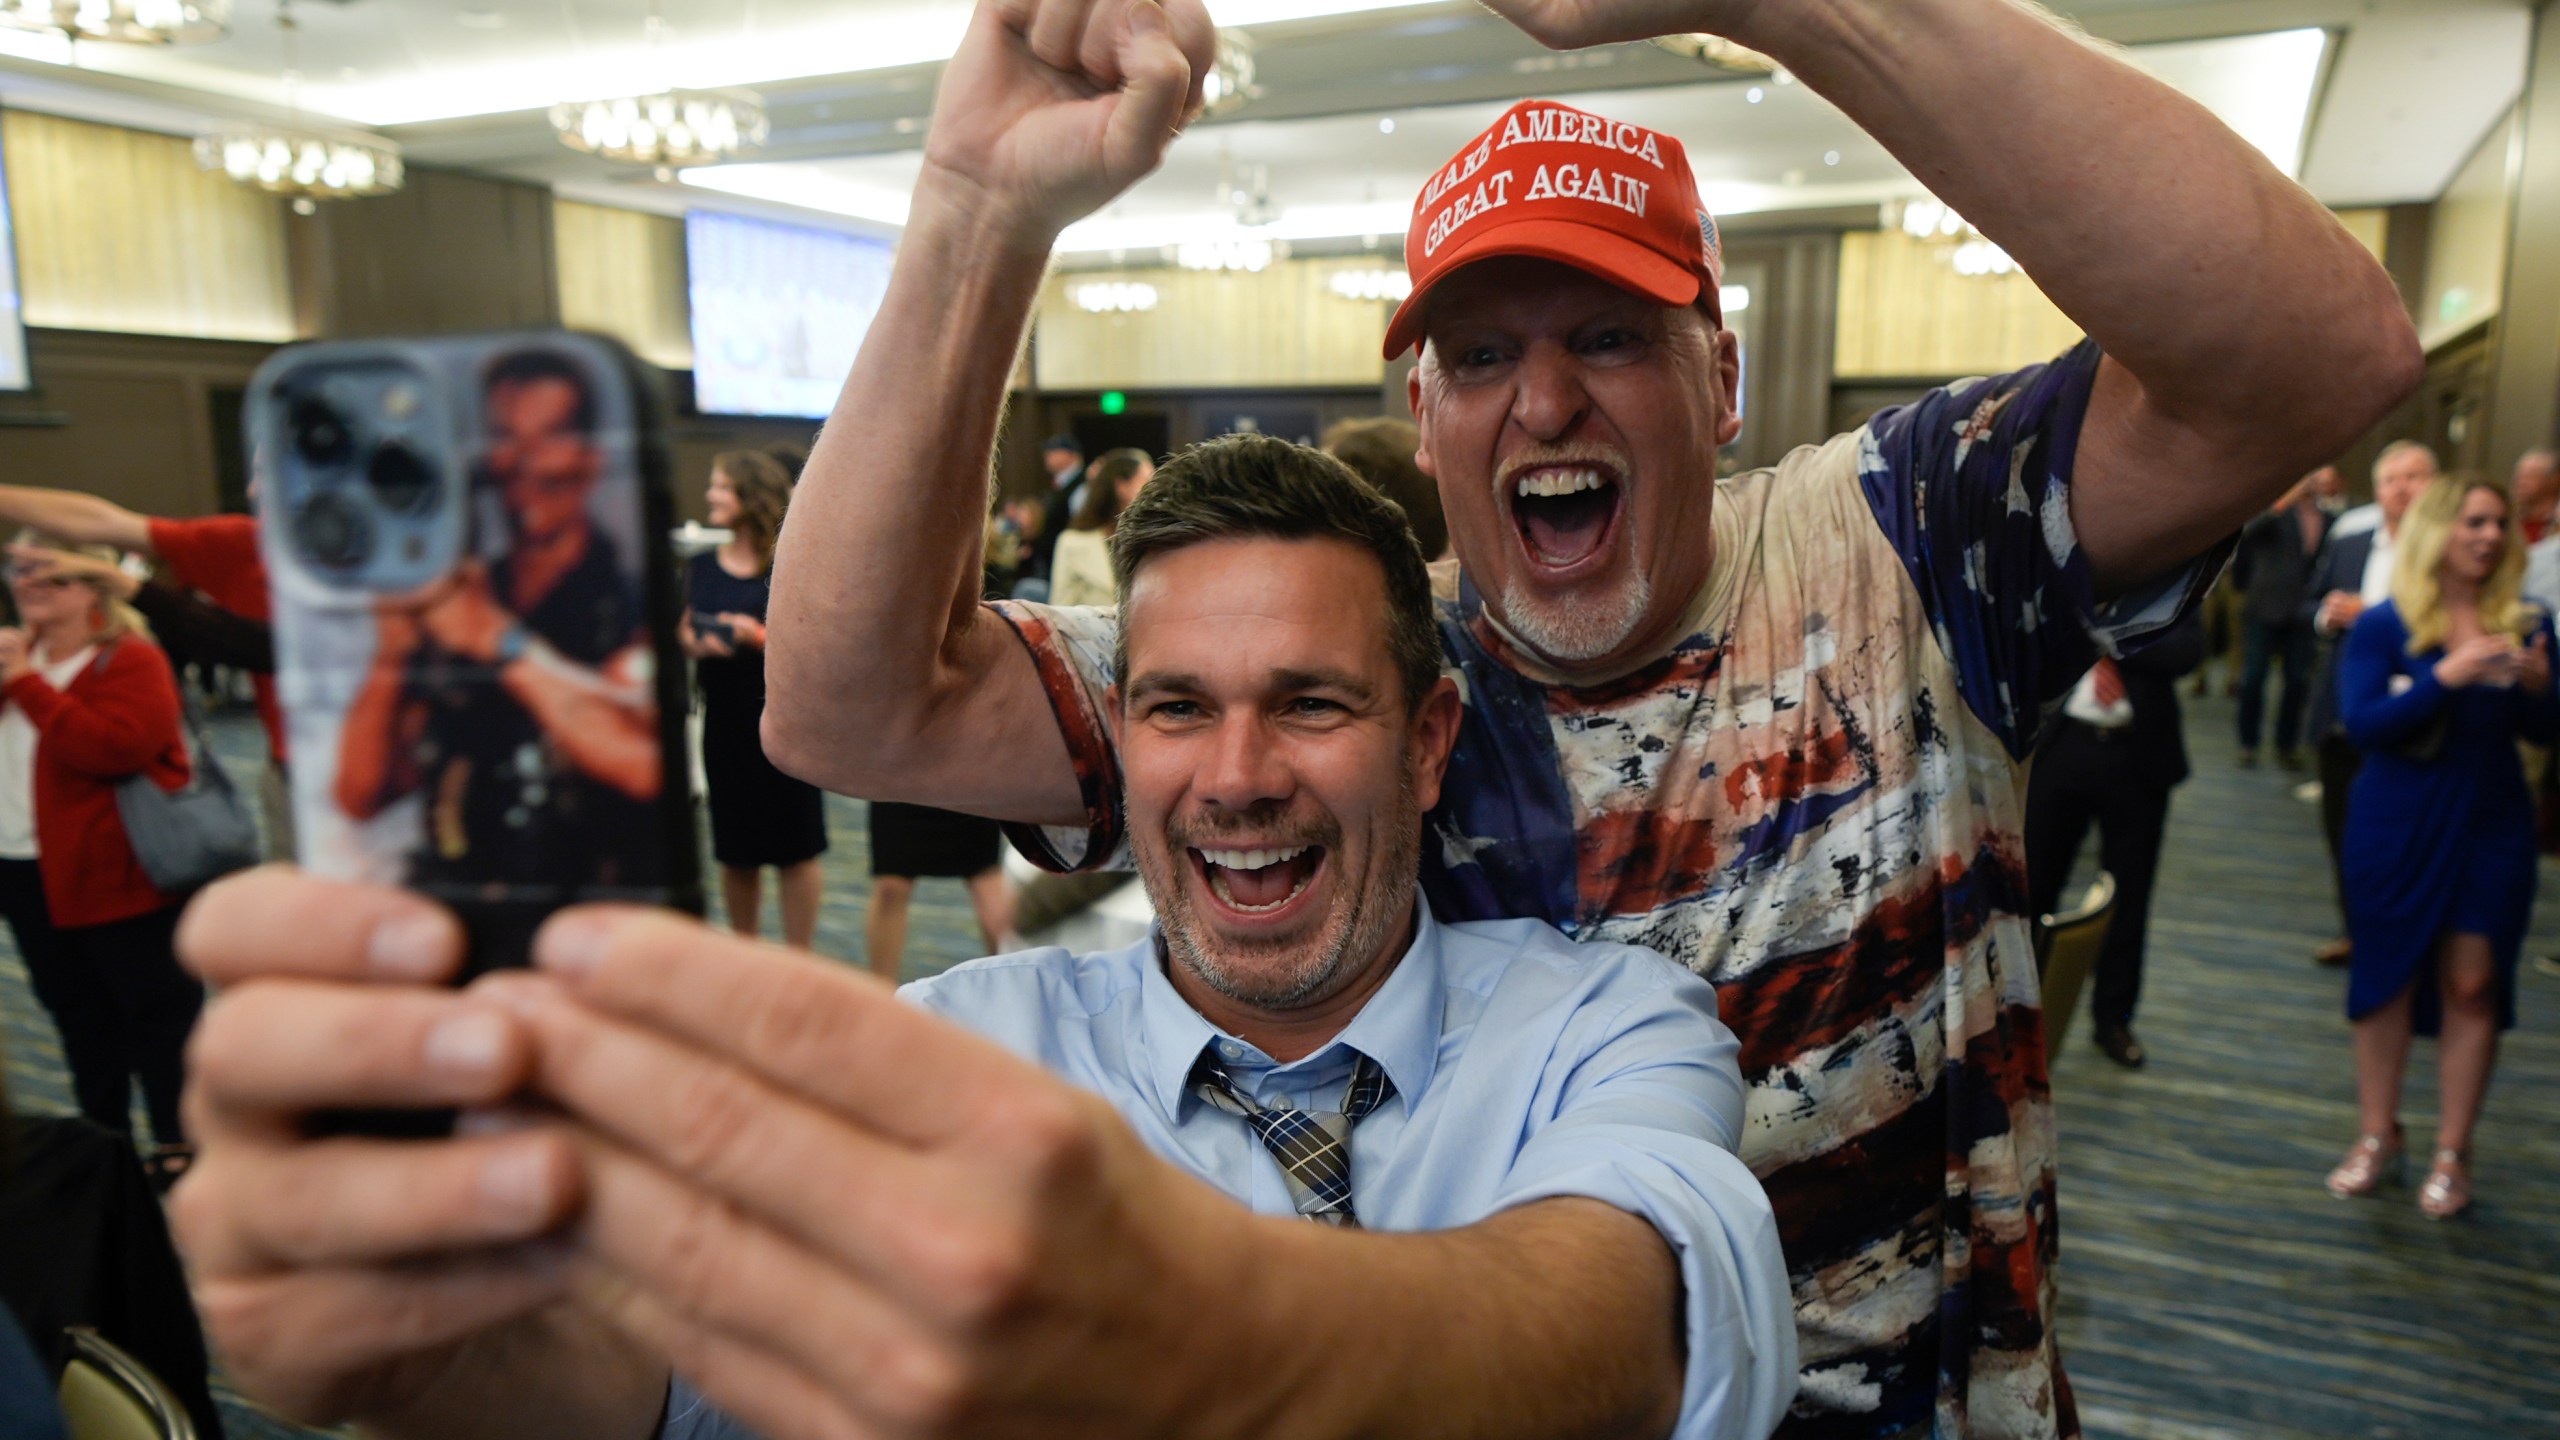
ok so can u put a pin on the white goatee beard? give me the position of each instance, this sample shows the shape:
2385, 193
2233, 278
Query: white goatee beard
1578, 630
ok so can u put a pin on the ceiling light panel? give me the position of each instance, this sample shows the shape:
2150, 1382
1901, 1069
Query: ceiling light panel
458, 64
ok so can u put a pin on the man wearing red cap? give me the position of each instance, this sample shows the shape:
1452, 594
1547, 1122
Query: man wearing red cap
1770, 726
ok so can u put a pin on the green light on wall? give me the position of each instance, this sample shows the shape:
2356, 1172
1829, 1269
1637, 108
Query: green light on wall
1114, 402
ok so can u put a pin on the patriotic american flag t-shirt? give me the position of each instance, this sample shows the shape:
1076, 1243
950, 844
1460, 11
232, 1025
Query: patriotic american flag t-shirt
1814, 801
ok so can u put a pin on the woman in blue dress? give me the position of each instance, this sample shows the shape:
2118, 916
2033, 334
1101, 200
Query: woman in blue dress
2436, 686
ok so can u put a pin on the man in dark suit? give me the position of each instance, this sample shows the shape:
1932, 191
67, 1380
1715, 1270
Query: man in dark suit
2112, 757
2273, 568
2354, 572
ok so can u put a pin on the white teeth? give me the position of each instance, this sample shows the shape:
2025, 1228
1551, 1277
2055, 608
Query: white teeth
1218, 882
1558, 482
1251, 859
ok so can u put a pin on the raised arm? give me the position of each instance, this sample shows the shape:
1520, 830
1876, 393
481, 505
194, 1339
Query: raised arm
80, 518
887, 679
2248, 337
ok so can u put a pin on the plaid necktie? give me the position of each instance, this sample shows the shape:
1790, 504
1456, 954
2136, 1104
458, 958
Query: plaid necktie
1314, 1150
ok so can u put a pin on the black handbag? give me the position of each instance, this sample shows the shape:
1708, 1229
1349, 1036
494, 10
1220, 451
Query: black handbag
193, 835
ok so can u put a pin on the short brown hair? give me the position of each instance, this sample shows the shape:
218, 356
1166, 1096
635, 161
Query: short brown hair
1255, 485
1381, 448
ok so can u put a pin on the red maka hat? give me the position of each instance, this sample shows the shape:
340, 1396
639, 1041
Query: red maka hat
1570, 186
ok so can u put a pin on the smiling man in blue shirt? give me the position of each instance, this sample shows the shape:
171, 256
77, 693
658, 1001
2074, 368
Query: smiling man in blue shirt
779, 1195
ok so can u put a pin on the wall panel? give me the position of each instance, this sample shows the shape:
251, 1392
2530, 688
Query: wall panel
447, 252
622, 272
1281, 327
130, 417
2467, 239
118, 230
1904, 311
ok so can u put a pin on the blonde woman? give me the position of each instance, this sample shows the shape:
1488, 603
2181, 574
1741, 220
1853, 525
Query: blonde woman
87, 702
2435, 686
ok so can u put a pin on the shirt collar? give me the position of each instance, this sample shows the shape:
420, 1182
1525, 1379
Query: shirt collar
1399, 1027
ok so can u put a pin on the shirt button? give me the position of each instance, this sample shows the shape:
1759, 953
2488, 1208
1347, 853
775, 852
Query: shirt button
1231, 1049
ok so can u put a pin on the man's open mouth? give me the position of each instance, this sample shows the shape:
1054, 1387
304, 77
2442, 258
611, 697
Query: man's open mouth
1261, 880
1565, 513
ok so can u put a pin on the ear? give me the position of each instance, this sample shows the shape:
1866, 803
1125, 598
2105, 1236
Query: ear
1728, 385
1434, 735
1422, 422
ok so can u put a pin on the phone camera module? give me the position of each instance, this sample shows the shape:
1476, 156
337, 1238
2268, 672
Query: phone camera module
403, 482
335, 531
320, 434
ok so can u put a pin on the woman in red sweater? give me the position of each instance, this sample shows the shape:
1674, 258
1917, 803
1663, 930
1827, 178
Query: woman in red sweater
87, 701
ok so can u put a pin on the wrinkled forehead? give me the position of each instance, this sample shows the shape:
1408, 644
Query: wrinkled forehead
1501, 287
1256, 604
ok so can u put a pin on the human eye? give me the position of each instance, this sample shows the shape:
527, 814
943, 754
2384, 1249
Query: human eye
1174, 712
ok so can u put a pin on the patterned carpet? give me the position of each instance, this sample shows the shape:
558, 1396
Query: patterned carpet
2211, 1289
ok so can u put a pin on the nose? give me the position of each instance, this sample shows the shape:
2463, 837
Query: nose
1242, 766
1551, 399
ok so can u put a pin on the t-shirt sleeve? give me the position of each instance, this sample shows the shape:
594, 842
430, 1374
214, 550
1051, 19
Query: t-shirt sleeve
1071, 648
1646, 1119
691, 1417
218, 555
1972, 485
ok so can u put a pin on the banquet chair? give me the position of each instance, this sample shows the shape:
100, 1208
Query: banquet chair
109, 1395
2067, 943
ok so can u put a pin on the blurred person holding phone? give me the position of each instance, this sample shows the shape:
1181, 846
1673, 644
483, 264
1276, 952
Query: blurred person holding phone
86, 703
2436, 686
760, 817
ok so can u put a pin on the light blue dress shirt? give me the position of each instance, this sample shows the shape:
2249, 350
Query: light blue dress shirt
1526, 1067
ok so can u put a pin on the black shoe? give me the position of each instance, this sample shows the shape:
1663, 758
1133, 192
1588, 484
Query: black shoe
2289, 759
2248, 759
2121, 1047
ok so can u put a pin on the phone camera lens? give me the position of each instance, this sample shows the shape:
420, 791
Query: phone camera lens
403, 482
334, 531
320, 433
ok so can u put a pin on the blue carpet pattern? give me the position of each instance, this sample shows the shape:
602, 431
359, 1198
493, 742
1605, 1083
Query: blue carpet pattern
2211, 1289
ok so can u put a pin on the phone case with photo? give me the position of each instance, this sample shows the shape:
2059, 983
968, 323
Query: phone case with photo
475, 616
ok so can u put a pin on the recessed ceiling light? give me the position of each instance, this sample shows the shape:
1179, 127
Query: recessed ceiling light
1387, 125
480, 19
1830, 157
1755, 94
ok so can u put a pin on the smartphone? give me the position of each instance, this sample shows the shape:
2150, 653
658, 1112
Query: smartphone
475, 613
710, 626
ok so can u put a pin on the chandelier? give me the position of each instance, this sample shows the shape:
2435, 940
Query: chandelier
1935, 223
1229, 82
310, 168
128, 22
1249, 253
1380, 284
1718, 52
293, 161
1114, 297
669, 130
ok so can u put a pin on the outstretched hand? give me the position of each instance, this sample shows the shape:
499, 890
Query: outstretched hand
1052, 107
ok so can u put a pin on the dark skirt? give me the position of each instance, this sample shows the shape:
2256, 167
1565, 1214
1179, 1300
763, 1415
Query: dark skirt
759, 816
916, 840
